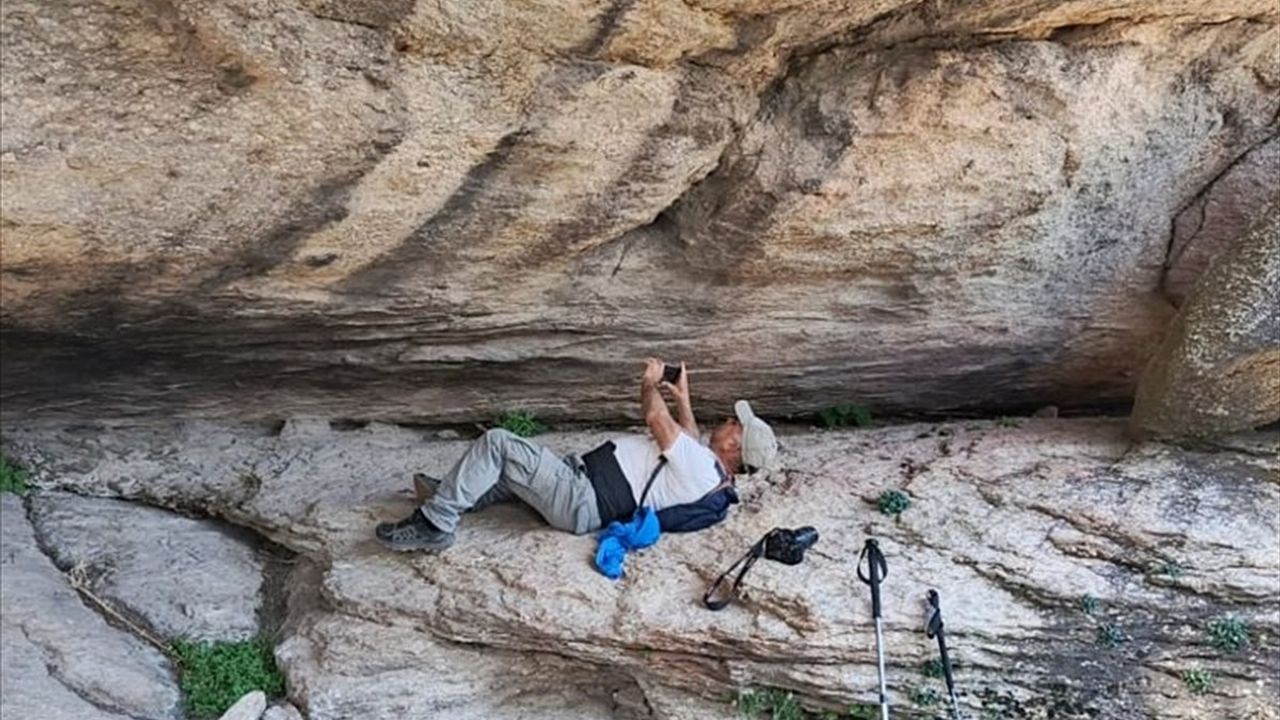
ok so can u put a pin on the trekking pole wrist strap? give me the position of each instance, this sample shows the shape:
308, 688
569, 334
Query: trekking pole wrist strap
877, 570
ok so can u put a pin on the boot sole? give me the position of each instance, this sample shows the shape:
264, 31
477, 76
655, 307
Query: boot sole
419, 546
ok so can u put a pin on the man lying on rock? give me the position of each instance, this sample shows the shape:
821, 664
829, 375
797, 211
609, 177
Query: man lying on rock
580, 494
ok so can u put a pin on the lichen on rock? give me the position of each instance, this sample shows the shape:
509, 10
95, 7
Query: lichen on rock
1218, 369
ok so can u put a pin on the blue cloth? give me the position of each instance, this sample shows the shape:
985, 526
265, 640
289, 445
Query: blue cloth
641, 531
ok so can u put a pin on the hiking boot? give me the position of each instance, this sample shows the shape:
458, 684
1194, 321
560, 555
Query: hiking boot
415, 532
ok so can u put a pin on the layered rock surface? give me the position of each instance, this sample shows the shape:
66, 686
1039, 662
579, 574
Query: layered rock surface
61, 660
183, 578
439, 210
1012, 525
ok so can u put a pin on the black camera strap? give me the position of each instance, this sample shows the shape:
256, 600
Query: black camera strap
782, 545
746, 561
662, 460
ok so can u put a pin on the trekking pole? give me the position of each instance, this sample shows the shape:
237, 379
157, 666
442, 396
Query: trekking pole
877, 570
934, 629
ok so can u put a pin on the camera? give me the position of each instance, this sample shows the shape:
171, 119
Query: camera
782, 545
671, 373
787, 546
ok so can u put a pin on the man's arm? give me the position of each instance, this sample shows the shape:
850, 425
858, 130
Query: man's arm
684, 409
656, 415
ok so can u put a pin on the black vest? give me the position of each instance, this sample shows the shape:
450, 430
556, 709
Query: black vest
614, 499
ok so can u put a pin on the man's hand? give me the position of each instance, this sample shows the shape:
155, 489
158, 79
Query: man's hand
684, 408
662, 426
652, 372
680, 388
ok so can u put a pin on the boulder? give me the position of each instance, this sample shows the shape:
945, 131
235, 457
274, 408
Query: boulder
62, 660
282, 711
1014, 526
182, 577
249, 707
439, 211
1218, 369
1220, 215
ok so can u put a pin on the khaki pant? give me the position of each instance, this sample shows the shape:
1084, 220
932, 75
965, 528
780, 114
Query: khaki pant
501, 465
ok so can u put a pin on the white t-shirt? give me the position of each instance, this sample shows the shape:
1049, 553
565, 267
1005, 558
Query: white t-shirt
689, 474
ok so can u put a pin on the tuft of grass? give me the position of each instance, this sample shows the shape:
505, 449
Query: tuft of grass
1228, 633
893, 502
1110, 636
1198, 680
772, 703
215, 675
749, 703
925, 696
864, 711
845, 416
13, 478
1008, 422
521, 422
931, 668
1089, 605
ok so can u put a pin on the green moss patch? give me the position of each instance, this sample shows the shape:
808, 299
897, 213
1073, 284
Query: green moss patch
215, 675
13, 479
1199, 681
1229, 633
893, 502
845, 416
521, 422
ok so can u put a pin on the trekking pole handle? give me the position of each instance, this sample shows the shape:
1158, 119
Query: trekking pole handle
877, 570
934, 626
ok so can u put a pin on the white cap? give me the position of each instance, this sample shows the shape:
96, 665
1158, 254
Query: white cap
759, 445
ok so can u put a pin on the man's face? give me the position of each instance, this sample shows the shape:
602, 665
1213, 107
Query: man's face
726, 439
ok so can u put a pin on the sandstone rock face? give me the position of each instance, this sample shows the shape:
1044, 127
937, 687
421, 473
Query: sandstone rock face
1220, 215
61, 660
1012, 525
1219, 369
183, 578
434, 211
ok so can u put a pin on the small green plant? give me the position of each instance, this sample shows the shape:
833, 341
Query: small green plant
1170, 569
1198, 680
931, 668
1110, 636
845, 416
864, 711
777, 703
1229, 633
1089, 605
925, 696
1008, 422
13, 479
215, 675
749, 703
521, 422
893, 502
